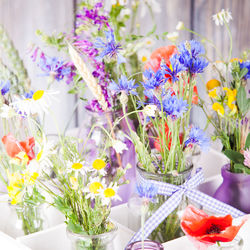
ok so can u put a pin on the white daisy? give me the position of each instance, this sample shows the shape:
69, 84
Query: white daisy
7, 112
109, 193
77, 166
224, 16
173, 36
94, 187
143, 55
150, 110
39, 103
148, 42
98, 166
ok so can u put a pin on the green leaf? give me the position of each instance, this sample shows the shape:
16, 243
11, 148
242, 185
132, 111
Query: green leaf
234, 156
247, 143
240, 168
242, 99
75, 228
152, 31
243, 72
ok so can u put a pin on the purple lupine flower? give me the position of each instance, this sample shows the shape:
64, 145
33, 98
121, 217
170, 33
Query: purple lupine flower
197, 137
190, 56
245, 65
173, 106
123, 85
147, 190
5, 87
109, 47
153, 80
175, 68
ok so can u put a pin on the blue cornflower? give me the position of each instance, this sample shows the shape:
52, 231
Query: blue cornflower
190, 56
5, 87
147, 190
197, 137
175, 67
29, 95
247, 66
123, 85
154, 80
110, 47
174, 107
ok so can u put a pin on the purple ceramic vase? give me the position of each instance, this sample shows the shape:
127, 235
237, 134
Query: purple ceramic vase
234, 189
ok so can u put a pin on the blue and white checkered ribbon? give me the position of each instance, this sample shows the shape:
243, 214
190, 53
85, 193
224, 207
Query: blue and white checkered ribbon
176, 193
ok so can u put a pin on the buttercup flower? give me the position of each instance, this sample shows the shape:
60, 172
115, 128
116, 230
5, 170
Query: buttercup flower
224, 16
205, 230
109, 48
119, 146
246, 154
213, 83
218, 108
213, 93
231, 97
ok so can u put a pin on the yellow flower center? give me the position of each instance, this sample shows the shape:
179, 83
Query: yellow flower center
109, 192
38, 95
144, 59
77, 166
99, 164
212, 84
94, 187
39, 155
149, 42
213, 93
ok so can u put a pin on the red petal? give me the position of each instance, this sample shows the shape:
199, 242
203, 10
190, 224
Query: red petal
12, 146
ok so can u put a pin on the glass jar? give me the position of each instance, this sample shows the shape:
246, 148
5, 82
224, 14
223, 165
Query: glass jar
148, 245
98, 141
92, 242
235, 244
25, 219
170, 228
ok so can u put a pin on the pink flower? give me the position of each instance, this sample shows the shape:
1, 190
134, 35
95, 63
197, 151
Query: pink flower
247, 157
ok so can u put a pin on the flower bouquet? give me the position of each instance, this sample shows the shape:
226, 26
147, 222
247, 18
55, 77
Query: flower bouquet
164, 137
227, 111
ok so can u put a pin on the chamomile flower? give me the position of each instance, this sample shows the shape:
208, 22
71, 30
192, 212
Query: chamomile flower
98, 166
173, 36
74, 182
150, 110
94, 187
77, 166
222, 17
149, 42
37, 104
143, 55
110, 193
7, 112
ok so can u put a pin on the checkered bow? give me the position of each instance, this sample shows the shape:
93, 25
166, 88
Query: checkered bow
176, 192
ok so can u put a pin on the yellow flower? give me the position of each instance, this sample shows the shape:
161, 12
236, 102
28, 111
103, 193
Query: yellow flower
94, 187
99, 164
109, 192
38, 95
211, 84
30, 179
77, 166
73, 182
236, 60
213, 93
218, 108
231, 97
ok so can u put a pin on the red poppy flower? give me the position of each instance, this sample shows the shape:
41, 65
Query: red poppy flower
205, 230
13, 146
161, 53
157, 143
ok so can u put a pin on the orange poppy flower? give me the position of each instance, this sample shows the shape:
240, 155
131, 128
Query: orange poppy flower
205, 230
14, 147
161, 53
